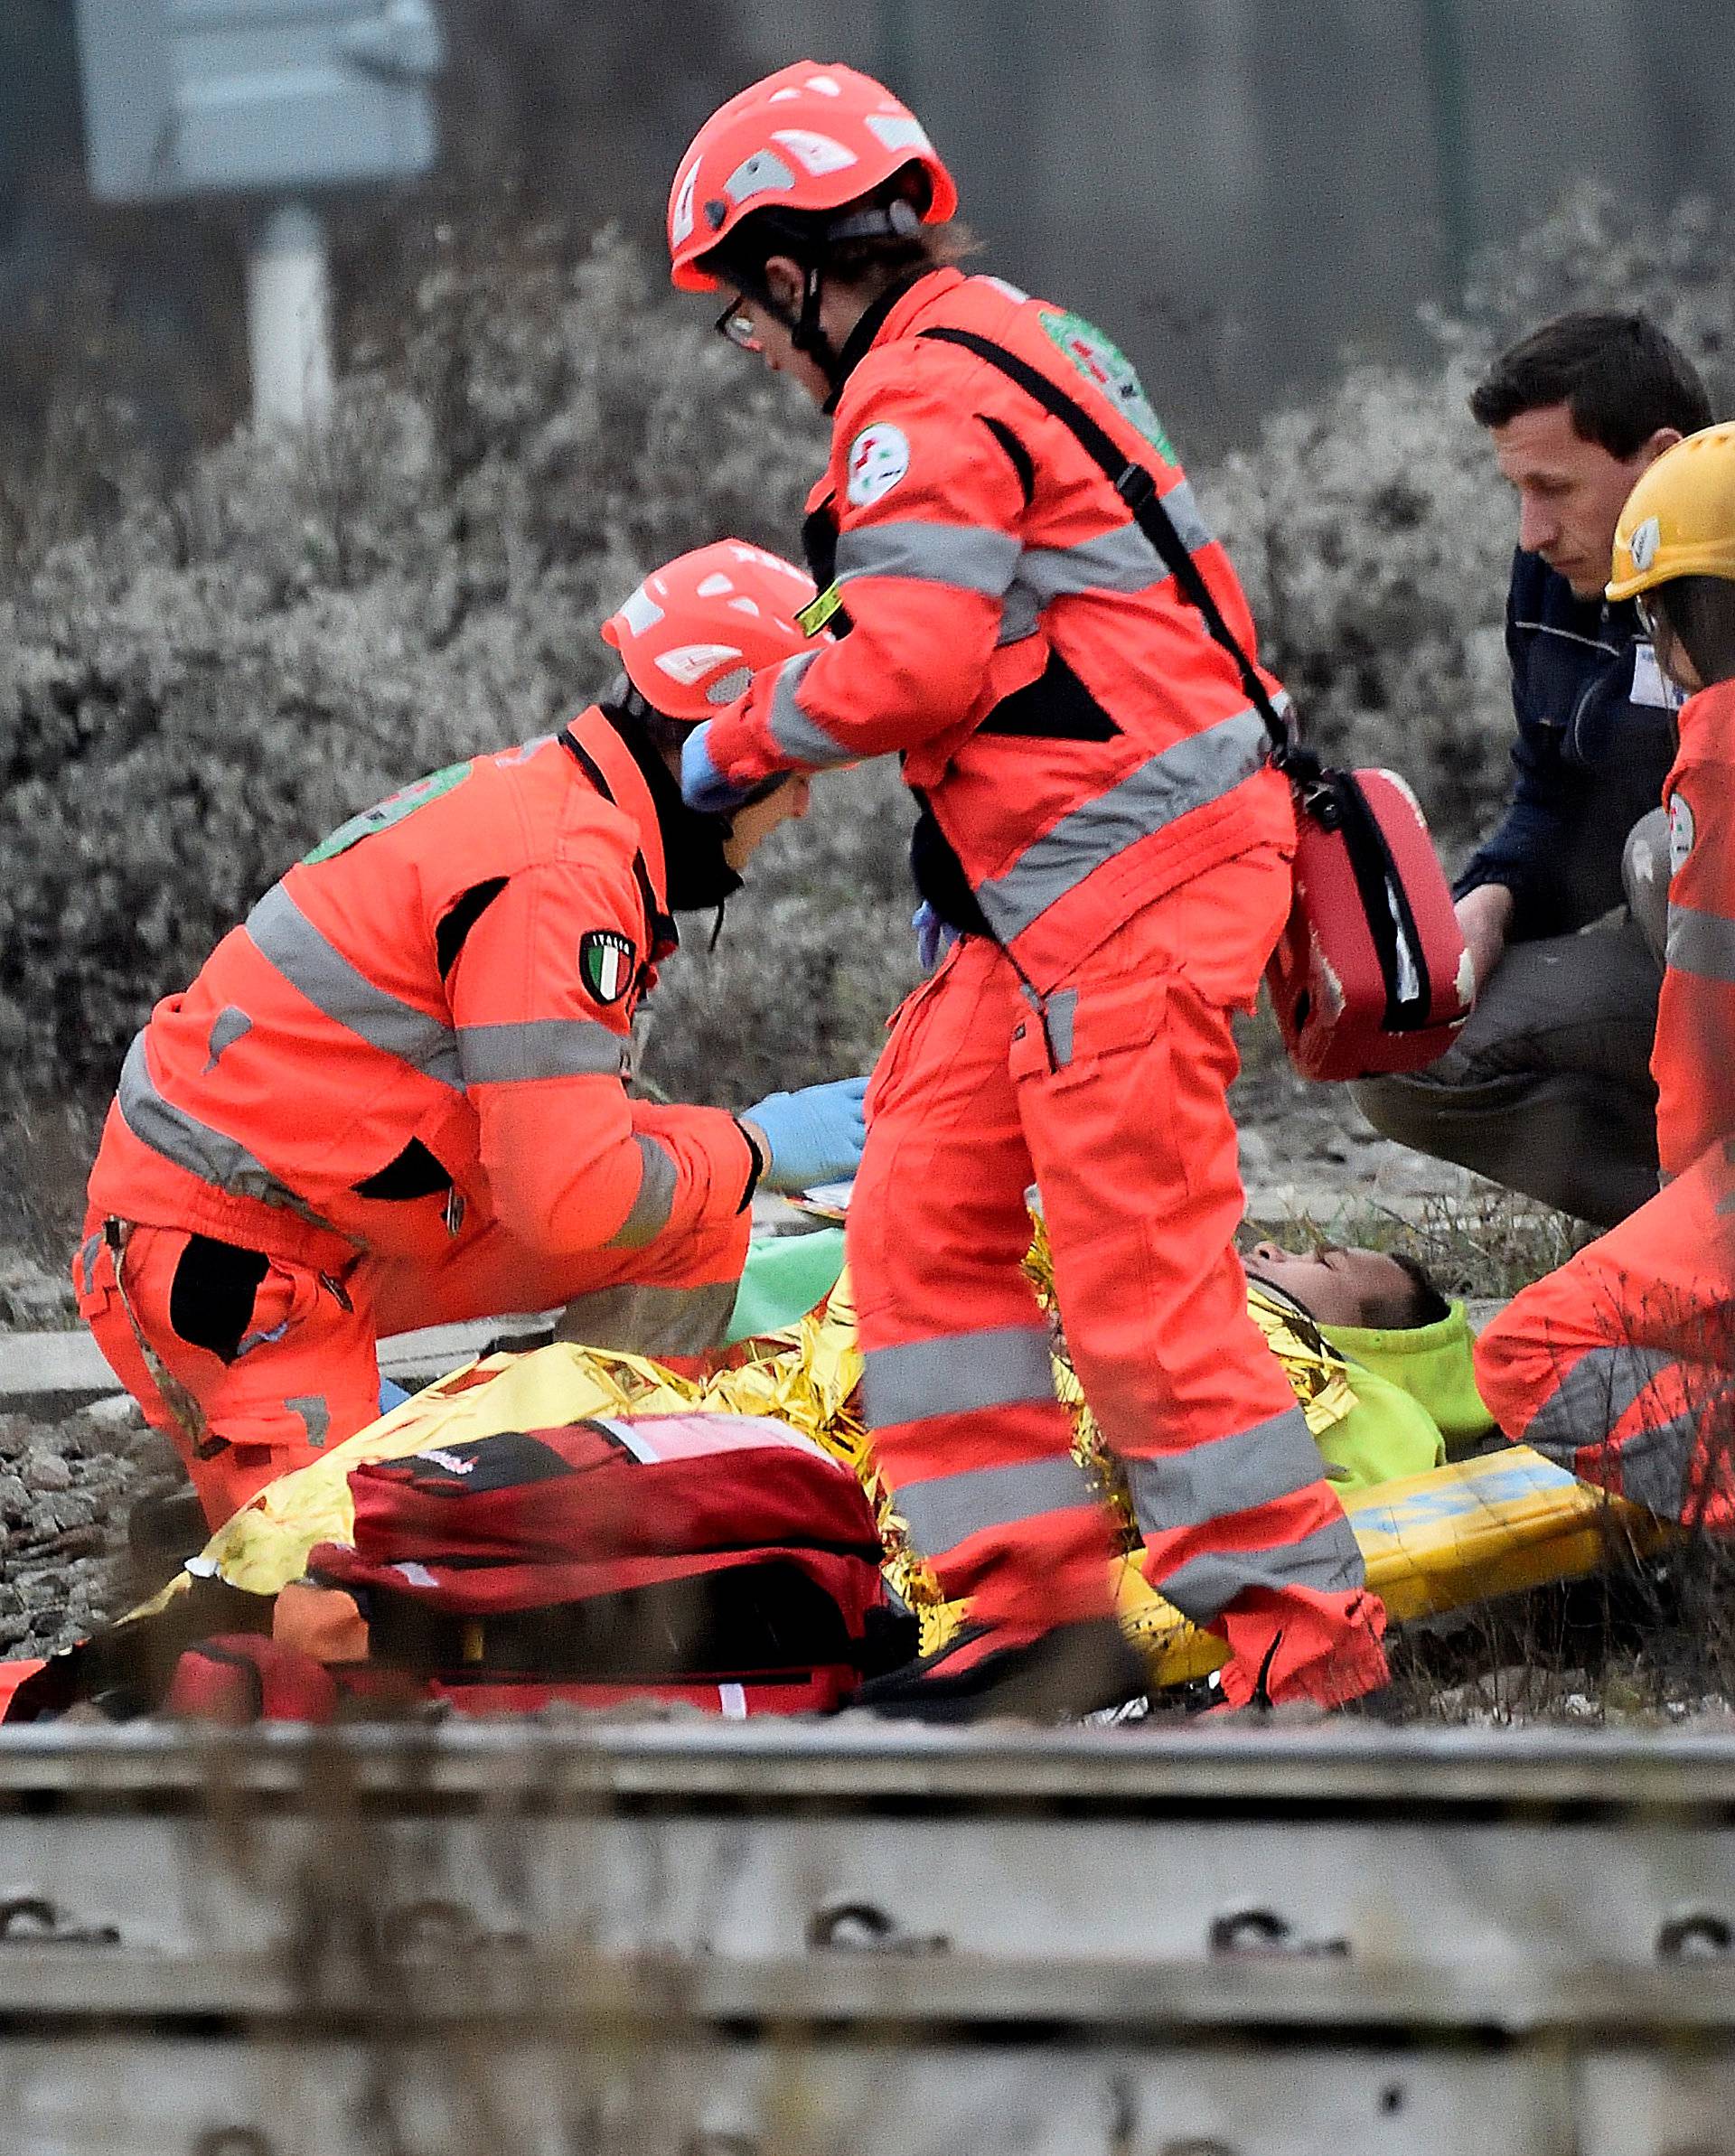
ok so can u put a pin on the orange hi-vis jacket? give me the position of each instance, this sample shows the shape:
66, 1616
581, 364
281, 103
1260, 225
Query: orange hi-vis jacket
1694, 1052
427, 1017
1081, 744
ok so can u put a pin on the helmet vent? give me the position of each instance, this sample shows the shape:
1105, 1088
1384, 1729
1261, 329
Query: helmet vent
727, 686
640, 612
818, 152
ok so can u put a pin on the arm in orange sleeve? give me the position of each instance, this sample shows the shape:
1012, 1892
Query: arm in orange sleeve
1695, 1024
927, 547
542, 996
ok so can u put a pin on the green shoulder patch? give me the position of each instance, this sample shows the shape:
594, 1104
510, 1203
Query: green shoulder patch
1102, 364
385, 813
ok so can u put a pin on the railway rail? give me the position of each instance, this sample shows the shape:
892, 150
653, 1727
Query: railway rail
721, 1940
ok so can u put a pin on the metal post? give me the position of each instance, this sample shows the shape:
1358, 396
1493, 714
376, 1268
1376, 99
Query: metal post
897, 59
1450, 97
289, 318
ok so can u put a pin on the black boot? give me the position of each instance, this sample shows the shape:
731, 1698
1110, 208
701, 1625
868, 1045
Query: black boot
1058, 1675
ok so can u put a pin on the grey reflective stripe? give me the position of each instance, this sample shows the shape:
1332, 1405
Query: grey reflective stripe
950, 1508
316, 1416
1121, 560
658, 1180
1328, 1561
791, 729
650, 1321
1203, 768
1020, 613
1059, 1018
227, 1027
1227, 1475
967, 557
540, 1048
1183, 506
88, 1259
949, 1376
1655, 1464
1701, 943
195, 1146
311, 962
1591, 1397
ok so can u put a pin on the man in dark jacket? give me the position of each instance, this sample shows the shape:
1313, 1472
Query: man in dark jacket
1548, 1089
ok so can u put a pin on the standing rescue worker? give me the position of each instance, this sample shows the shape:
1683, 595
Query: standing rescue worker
1621, 1365
1100, 831
396, 1095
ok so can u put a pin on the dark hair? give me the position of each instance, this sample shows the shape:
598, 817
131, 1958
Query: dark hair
1424, 1305
875, 259
1699, 613
1619, 375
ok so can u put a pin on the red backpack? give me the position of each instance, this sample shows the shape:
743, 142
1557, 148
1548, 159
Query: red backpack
720, 1559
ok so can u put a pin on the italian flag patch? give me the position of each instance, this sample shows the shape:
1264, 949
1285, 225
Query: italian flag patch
605, 962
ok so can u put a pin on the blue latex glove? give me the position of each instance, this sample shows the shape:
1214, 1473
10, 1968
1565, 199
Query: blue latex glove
702, 786
815, 1135
933, 936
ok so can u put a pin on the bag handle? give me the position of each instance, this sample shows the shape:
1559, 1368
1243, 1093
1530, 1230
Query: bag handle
1136, 487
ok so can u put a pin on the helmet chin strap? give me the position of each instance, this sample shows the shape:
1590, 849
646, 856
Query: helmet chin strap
806, 334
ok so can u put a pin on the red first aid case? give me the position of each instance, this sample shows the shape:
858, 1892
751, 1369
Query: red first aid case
1370, 974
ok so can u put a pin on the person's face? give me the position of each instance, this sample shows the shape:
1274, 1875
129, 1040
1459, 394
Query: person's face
1671, 652
1570, 492
752, 826
1335, 1287
753, 327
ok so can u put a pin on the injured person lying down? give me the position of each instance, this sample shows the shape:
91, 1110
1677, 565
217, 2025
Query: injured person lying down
348, 1566
1408, 1349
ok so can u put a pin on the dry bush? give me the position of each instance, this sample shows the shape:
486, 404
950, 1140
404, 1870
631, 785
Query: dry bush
191, 698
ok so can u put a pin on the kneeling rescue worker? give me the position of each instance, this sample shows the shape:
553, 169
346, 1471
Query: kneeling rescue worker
1099, 829
1621, 1365
396, 1095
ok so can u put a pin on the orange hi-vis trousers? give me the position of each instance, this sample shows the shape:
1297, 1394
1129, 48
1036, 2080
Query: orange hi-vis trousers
292, 1369
1112, 1100
1621, 1364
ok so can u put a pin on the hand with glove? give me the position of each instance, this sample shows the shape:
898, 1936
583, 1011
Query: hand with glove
814, 1135
703, 786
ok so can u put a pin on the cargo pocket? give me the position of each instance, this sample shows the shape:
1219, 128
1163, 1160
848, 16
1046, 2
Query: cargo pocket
1096, 1089
1076, 1030
213, 1295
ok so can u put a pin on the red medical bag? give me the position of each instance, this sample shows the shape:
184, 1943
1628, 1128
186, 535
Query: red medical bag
1371, 973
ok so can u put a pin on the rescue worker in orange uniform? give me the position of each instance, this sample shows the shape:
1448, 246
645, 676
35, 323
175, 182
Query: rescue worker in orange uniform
396, 1096
1621, 1365
1100, 833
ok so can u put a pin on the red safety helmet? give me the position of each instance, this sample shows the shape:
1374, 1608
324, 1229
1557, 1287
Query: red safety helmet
812, 138
697, 630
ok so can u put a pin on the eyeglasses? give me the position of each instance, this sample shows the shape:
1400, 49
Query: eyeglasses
736, 325
1646, 614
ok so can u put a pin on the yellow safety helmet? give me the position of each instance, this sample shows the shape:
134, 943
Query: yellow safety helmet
1680, 518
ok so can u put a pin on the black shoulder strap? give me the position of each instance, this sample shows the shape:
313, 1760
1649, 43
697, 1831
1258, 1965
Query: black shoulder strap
1138, 490
662, 925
